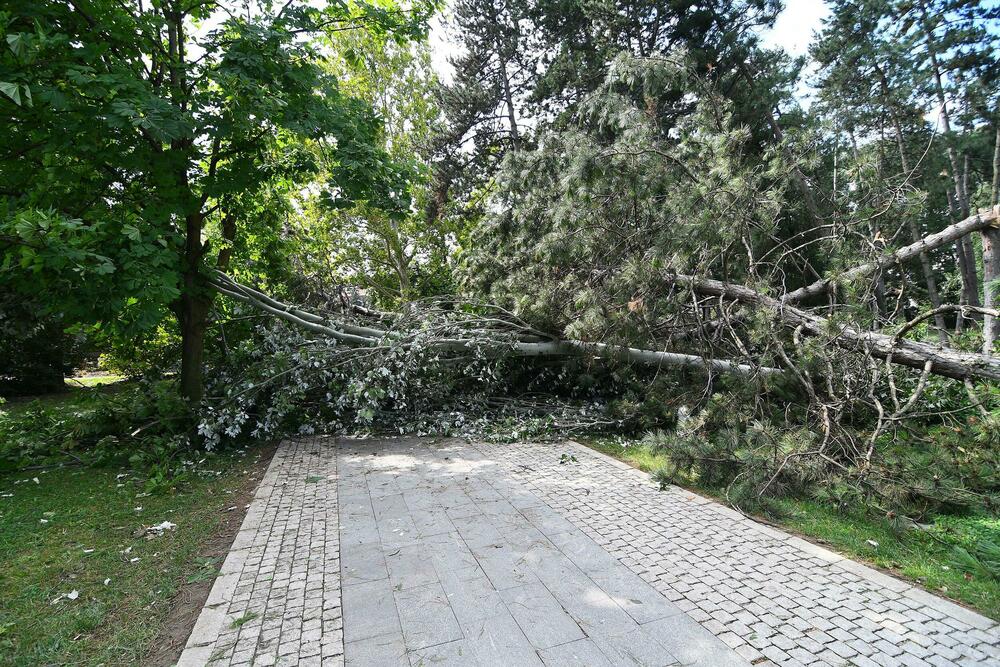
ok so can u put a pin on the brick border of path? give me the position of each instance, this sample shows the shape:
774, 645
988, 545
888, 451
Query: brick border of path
201, 643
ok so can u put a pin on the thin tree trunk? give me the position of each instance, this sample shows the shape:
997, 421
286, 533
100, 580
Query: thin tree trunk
925, 261
195, 302
961, 206
509, 101
966, 259
944, 361
991, 258
947, 235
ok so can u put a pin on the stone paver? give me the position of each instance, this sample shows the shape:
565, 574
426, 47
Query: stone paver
422, 552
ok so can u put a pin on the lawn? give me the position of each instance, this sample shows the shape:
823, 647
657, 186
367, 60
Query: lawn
84, 581
923, 556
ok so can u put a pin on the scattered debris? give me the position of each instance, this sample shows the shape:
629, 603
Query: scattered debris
151, 532
72, 595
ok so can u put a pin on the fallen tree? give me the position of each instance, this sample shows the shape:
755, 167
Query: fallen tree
505, 336
981, 220
512, 338
943, 360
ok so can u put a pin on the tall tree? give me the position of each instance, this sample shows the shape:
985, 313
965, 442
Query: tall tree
865, 78
140, 130
955, 54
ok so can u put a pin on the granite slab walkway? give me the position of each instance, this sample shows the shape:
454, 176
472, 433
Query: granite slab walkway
429, 552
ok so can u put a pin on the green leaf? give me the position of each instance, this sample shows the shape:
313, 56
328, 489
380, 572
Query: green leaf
12, 91
17, 43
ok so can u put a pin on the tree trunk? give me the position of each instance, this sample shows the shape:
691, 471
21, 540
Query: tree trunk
960, 206
192, 311
966, 260
944, 360
991, 258
973, 223
509, 101
193, 320
991, 273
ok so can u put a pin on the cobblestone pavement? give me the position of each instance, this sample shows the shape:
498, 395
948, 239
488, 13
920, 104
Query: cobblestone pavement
457, 554
774, 598
277, 597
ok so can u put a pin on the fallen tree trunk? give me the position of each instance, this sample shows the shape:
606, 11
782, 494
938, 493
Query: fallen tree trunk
981, 220
944, 361
355, 335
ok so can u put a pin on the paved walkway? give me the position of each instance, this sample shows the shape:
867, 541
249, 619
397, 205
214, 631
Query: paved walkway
418, 552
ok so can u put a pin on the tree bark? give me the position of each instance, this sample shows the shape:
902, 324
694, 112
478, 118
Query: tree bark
960, 206
195, 302
991, 259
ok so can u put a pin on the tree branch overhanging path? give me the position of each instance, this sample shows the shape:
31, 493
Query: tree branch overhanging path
929, 358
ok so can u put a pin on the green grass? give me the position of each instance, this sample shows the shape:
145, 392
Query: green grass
76, 396
79, 529
924, 556
98, 380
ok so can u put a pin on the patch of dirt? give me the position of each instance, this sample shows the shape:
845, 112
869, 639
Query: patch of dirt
190, 598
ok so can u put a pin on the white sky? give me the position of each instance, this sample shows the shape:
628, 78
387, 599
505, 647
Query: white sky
796, 25
793, 31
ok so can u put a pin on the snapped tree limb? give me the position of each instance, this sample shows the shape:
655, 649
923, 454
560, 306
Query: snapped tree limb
944, 361
979, 221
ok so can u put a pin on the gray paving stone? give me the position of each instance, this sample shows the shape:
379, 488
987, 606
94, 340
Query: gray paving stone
504, 565
369, 610
381, 650
426, 617
451, 654
637, 647
691, 644
592, 609
541, 618
362, 563
409, 567
499, 641
574, 654
471, 595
